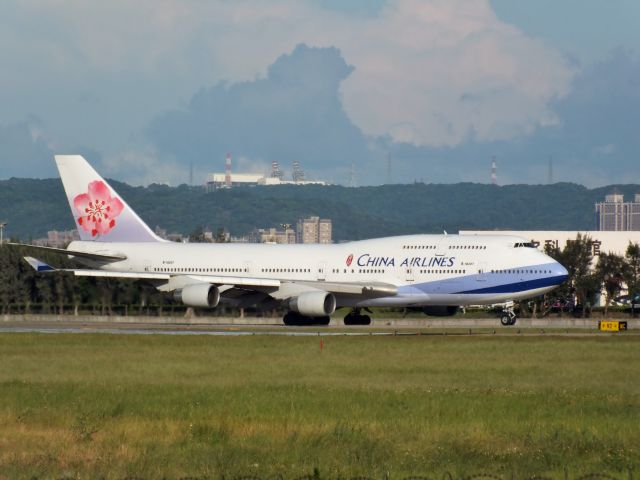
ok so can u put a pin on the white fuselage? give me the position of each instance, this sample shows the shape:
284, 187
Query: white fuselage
426, 269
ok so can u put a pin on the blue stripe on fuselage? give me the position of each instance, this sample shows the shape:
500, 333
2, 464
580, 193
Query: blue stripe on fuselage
489, 282
520, 286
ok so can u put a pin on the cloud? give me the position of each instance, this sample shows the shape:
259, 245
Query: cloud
593, 141
294, 113
432, 72
25, 151
451, 71
441, 84
144, 166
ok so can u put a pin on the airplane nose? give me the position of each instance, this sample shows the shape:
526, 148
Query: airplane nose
560, 273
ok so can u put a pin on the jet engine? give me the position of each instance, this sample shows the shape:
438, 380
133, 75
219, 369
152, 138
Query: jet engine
313, 304
440, 310
202, 295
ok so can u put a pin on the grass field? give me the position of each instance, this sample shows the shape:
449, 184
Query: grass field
155, 406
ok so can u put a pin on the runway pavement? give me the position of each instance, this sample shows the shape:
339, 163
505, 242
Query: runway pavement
226, 326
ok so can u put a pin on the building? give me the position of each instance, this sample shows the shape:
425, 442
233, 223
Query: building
308, 230
603, 241
614, 214
274, 235
219, 180
314, 230
228, 179
58, 239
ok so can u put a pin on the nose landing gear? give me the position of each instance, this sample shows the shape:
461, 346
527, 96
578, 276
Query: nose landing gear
508, 316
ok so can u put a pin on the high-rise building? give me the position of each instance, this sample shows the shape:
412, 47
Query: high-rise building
324, 231
274, 235
314, 230
634, 213
614, 214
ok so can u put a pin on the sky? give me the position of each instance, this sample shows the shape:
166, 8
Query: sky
395, 90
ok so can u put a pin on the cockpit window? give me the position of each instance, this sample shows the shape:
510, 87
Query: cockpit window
525, 245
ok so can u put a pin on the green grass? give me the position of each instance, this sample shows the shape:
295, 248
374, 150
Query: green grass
172, 406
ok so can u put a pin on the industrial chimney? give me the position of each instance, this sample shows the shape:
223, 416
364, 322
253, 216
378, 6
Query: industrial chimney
227, 171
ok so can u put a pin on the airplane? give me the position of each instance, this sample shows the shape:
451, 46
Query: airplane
436, 274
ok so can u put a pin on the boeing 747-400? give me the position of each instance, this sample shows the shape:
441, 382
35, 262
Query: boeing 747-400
434, 273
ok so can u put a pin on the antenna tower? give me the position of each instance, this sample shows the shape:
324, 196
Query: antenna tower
227, 171
550, 179
494, 171
352, 176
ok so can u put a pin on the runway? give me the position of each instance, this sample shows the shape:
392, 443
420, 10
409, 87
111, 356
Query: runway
401, 327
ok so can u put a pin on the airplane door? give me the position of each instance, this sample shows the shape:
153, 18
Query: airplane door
408, 273
322, 271
482, 272
248, 268
147, 265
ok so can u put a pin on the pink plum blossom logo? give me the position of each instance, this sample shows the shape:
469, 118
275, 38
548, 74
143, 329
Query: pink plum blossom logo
97, 209
349, 260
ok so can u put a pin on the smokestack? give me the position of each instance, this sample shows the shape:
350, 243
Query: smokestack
298, 173
494, 171
227, 171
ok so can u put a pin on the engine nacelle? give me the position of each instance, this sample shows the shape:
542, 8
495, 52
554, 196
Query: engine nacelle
202, 295
313, 304
440, 310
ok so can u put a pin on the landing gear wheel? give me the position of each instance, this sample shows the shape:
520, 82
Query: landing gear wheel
354, 318
295, 319
508, 318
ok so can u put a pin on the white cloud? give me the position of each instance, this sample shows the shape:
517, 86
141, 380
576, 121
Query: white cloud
450, 69
428, 72
144, 166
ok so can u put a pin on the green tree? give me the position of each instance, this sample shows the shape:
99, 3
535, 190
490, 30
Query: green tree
198, 236
221, 236
610, 273
632, 273
577, 256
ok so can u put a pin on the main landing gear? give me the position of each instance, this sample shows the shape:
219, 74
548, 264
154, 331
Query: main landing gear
355, 318
508, 316
295, 319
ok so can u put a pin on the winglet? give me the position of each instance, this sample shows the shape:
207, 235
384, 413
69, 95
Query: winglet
38, 265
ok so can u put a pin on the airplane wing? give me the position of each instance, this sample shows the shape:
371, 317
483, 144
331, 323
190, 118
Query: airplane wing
233, 285
40, 266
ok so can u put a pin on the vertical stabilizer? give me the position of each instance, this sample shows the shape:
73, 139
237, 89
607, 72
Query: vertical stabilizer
100, 214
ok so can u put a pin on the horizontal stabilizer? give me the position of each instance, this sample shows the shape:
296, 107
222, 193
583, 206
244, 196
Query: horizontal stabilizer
105, 256
38, 265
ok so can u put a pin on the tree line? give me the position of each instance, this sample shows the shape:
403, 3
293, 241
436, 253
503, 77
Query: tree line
588, 279
23, 290
32, 207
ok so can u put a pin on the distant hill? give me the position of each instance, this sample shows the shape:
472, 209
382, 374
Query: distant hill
32, 207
